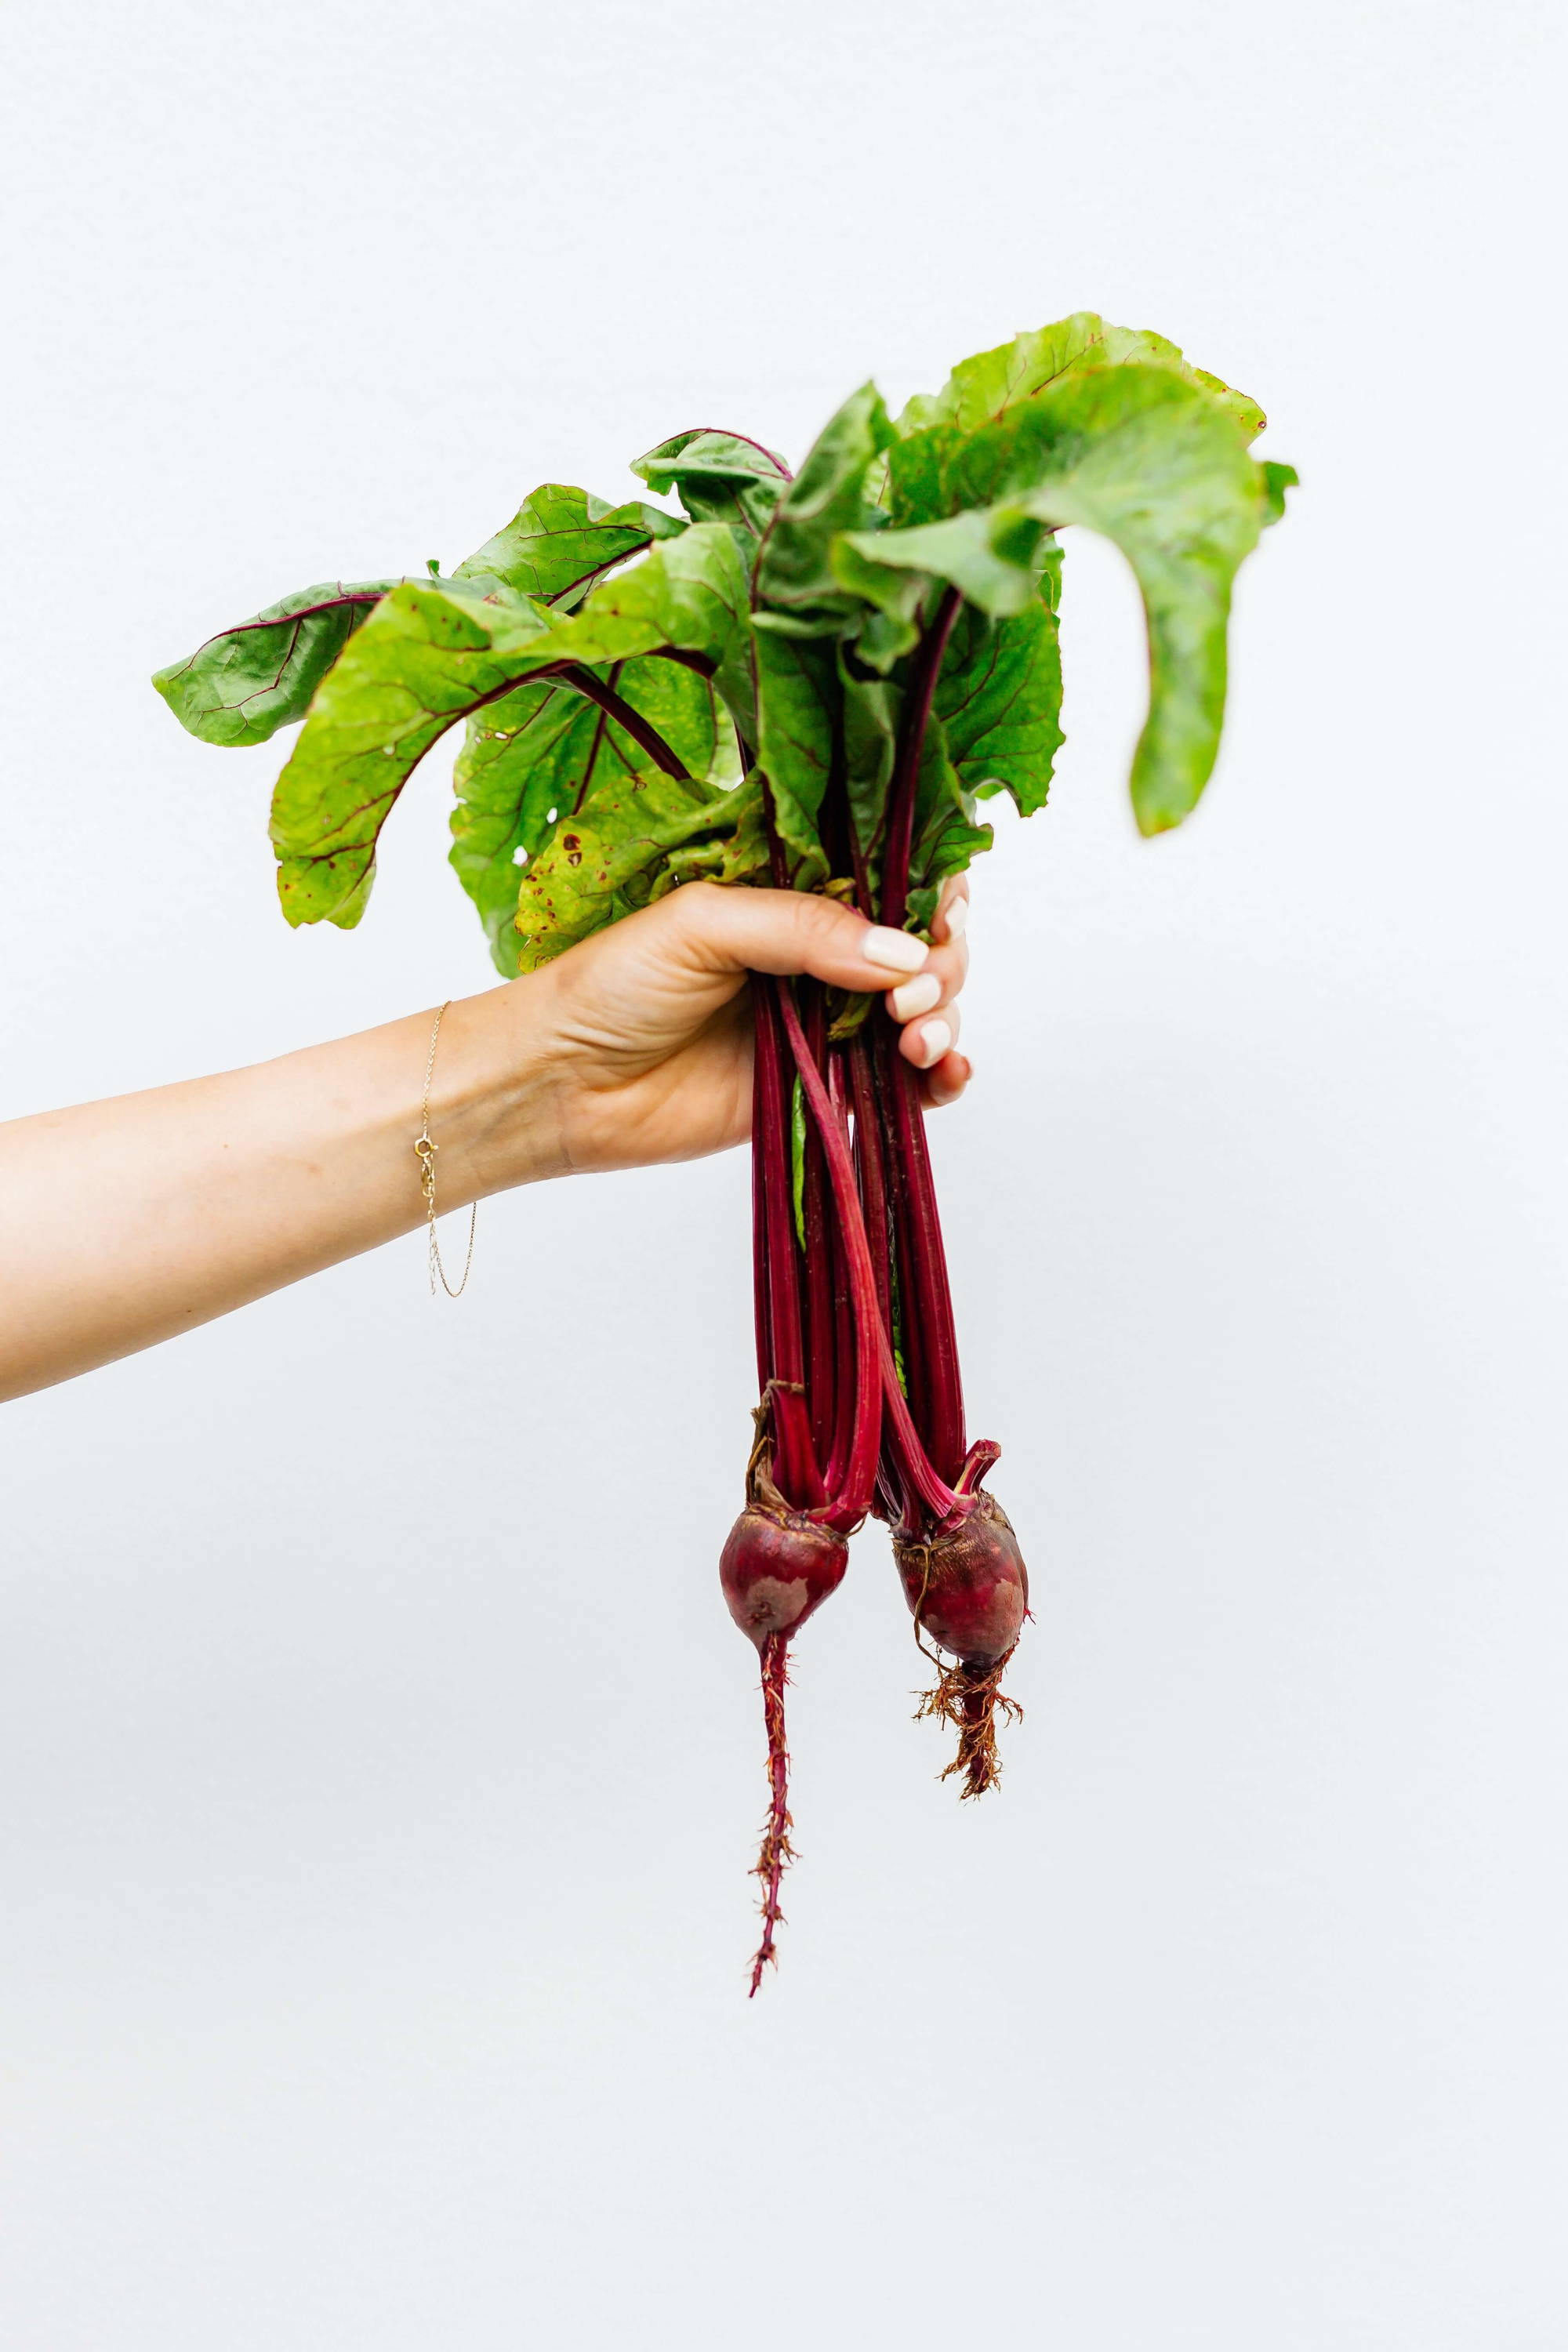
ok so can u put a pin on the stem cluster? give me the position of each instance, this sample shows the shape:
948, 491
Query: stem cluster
858, 1365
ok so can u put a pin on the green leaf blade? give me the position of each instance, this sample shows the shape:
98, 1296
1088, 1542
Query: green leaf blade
430, 656
796, 582
1150, 461
999, 697
798, 722
419, 664
992, 385
981, 390
543, 769
560, 540
242, 684
719, 477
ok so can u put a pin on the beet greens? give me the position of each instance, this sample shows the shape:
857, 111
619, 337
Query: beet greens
810, 680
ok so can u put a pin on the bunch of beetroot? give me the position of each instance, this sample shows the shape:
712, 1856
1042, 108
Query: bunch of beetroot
810, 679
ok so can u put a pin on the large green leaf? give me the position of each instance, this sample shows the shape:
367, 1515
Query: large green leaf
430, 655
538, 763
560, 540
243, 684
721, 478
1154, 463
981, 390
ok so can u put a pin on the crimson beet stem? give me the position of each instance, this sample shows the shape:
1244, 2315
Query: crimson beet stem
874, 1345
795, 1465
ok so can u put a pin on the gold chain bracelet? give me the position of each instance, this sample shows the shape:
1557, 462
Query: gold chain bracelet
424, 1151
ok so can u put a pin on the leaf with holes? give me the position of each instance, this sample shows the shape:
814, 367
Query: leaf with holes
432, 655
538, 762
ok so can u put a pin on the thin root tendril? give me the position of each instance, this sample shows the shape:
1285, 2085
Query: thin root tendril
777, 1852
968, 1698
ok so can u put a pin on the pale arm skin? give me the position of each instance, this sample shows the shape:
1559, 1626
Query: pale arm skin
123, 1223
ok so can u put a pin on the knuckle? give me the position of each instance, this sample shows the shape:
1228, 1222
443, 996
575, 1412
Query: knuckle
701, 915
697, 903
822, 925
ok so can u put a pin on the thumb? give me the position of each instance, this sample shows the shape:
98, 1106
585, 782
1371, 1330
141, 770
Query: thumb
728, 930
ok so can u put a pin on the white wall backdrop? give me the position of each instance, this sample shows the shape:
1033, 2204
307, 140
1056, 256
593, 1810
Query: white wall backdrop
375, 1904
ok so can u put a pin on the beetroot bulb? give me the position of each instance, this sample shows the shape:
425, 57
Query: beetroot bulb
777, 1568
778, 1565
968, 1590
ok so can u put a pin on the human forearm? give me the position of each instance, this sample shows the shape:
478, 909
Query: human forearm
122, 1223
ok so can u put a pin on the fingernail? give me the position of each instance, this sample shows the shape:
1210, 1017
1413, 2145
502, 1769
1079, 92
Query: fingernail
936, 1038
916, 996
894, 950
956, 915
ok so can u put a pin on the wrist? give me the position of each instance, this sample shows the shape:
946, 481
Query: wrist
495, 1106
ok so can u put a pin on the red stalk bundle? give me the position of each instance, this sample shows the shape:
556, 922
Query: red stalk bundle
862, 1401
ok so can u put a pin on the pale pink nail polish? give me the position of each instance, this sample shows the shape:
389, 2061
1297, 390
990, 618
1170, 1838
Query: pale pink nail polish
917, 995
936, 1038
894, 950
956, 915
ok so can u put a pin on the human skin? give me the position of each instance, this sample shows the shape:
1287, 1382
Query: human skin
135, 1219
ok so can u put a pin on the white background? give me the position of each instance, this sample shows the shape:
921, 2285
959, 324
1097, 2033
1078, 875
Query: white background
380, 1769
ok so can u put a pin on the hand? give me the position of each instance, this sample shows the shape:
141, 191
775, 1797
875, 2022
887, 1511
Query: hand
639, 1040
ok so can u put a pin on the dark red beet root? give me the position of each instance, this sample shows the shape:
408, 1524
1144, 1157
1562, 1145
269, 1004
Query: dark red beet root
968, 1584
969, 1590
777, 1566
